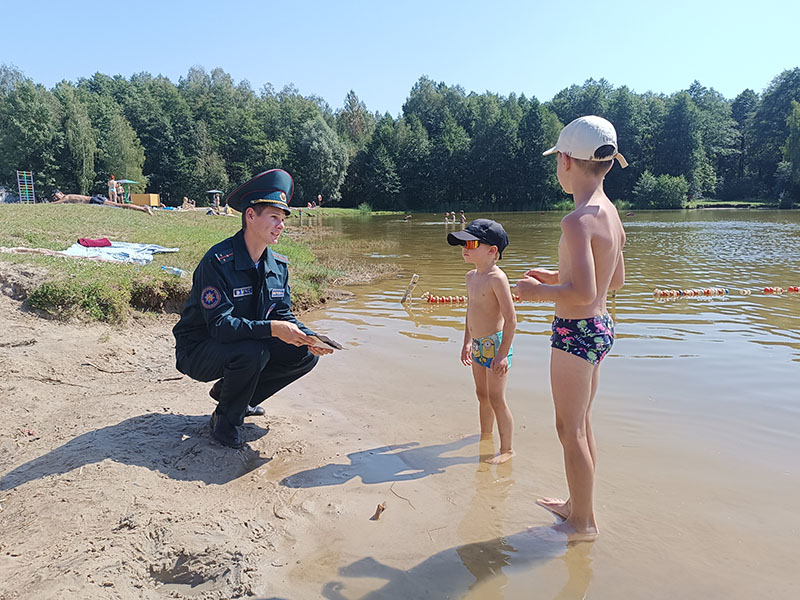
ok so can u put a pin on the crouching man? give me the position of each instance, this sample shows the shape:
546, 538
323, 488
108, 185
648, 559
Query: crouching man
237, 326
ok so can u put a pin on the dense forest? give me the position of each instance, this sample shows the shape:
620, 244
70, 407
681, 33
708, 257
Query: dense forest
448, 149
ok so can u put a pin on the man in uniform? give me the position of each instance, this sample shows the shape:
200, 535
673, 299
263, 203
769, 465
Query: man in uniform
237, 326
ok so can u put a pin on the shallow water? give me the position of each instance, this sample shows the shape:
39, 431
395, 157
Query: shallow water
697, 417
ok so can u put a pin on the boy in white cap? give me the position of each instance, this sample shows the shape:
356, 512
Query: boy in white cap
590, 263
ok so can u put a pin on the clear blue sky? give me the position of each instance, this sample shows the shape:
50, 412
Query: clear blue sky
380, 49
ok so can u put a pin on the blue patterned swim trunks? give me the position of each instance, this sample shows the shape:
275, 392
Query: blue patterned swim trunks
485, 349
590, 339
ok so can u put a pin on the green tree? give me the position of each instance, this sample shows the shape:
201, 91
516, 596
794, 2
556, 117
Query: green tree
769, 124
320, 163
354, 123
591, 98
792, 152
30, 133
662, 192
78, 158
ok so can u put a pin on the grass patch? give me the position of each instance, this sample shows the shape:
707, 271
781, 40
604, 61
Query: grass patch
746, 203
69, 288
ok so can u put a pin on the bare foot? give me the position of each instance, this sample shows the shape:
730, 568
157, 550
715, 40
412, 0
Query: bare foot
500, 458
556, 506
574, 535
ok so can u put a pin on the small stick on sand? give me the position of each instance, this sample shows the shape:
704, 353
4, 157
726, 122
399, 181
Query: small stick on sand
401, 497
378, 511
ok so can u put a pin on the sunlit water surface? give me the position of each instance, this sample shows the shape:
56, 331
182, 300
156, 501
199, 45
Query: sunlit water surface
698, 414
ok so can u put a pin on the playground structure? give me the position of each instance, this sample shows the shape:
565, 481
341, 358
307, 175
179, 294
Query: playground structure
27, 195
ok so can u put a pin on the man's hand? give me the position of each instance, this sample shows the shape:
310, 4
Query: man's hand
543, 276
320, 350
526, 288
291, 334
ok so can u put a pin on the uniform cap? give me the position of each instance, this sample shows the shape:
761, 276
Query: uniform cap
273, 188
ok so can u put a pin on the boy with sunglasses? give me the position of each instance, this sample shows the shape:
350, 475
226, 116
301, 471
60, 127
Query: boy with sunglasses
590, 263
489, 328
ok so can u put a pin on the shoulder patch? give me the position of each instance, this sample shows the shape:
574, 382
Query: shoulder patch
280, 257
210, 297
224, 257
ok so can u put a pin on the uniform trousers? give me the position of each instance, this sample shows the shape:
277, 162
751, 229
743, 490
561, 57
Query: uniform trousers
253, 370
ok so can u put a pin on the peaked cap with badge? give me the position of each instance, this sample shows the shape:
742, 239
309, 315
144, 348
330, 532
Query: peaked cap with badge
273, 188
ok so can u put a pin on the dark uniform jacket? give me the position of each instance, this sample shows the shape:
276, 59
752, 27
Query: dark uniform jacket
232, 300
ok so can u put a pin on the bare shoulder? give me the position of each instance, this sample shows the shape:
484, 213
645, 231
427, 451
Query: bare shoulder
470, 275
577, 222
498, 276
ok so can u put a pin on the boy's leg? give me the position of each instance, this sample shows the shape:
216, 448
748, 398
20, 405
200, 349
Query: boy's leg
479, 374
571, 381
505, 421
556, 505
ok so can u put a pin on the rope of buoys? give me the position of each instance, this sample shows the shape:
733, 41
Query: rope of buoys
433, 299
706, 292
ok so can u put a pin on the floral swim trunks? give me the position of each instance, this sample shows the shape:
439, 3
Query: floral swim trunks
484, 349
589, 339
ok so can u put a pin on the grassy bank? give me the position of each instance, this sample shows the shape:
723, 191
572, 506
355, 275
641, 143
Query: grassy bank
65, 287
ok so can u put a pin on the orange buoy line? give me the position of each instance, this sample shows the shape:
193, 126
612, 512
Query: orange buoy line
705, 292
431, 299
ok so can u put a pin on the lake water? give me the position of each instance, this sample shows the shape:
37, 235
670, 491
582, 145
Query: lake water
697, 417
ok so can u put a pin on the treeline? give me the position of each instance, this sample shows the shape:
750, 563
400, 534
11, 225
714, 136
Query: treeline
448, 149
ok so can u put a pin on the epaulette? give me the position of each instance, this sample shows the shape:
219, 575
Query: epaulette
280, 257
223, 258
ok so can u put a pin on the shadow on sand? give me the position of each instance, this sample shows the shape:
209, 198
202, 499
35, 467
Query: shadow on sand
179, 446
479, 570
401, 462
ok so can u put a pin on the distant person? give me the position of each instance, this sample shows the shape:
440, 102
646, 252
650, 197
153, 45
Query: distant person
216, 202
60, 197
120, 193
489, 328
447, 217
112, 189
237, 326
590, 263
319, 200
187, 204
463, 218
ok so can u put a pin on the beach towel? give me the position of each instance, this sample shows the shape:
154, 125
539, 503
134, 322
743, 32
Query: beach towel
140, 254
98, 243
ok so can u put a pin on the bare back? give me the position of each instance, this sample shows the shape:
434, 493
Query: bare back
590, 250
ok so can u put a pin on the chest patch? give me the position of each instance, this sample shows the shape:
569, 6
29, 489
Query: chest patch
223, 258
276, 293
242, 292
210, 297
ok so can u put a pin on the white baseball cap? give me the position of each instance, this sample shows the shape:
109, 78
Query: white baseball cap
581, 138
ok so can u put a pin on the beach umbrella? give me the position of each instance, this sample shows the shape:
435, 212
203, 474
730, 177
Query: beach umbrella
214, 192
127, 191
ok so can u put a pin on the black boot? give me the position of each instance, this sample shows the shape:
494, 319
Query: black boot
225, 433
252, 411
